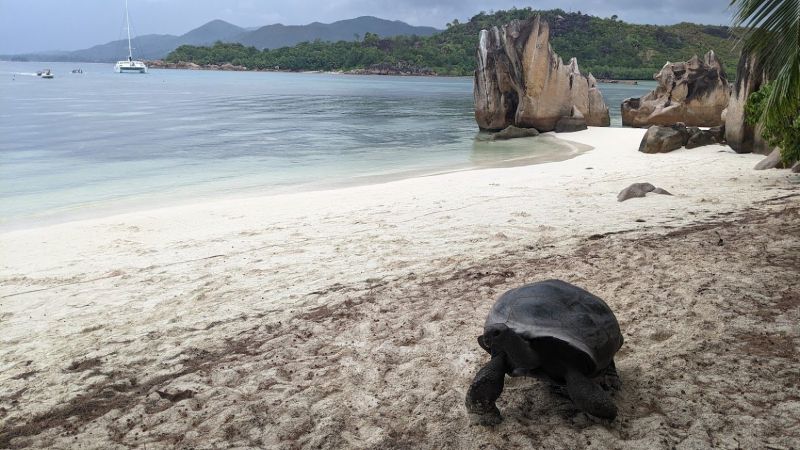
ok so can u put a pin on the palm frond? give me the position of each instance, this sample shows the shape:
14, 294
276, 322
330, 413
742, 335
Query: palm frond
772, 35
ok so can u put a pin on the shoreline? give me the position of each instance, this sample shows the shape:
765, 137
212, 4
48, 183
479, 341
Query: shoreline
347, 318
129, 205
182, 65
367, 72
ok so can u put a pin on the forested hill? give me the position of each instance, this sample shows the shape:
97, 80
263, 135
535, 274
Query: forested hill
607, 47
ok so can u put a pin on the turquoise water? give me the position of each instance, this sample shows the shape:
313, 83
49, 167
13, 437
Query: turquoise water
614, 94
100, 141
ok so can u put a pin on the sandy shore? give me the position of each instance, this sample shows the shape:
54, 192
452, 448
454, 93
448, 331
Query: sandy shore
347, 318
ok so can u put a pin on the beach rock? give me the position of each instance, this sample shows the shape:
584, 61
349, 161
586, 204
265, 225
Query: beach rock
772, 161
574, 122
661, 191
635, 190
694, 92
638, 190
685, 131
718, 133
741, 136
701, 138
662, 140
231, 67
512, 132
397, 69
520, 81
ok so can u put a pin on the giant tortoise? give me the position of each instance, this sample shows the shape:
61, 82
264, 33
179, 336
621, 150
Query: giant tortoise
554, 330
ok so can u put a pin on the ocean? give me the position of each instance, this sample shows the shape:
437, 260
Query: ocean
84, 145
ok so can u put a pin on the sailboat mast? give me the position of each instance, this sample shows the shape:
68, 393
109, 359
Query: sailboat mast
128, 27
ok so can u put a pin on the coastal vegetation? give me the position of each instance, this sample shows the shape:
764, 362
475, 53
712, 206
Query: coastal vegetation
781, 131
772, 37
607, 47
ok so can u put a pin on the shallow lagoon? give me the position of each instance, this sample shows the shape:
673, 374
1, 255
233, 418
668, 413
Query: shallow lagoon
98, 142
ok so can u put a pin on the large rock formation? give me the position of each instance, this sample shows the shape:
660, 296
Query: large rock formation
520, 81
575, 122
741, 136
693, 92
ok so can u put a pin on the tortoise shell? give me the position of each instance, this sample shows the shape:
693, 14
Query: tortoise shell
558, 310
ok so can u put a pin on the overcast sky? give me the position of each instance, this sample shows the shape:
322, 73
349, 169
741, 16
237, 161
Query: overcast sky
36, 25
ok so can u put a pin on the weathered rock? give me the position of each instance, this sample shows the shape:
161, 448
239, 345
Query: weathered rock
661, 140
635, 190
397, 69
772, 161
575, 122
796, 167
685, 132
512, 132
694, 92
520, 81
741, 136
638, 190
661, 191
701, 138
718, 133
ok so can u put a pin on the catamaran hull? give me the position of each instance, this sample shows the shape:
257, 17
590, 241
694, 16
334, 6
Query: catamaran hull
119, 69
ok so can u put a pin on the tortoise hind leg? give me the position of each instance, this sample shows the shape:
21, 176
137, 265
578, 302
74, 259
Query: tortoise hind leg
589, 396
485, 390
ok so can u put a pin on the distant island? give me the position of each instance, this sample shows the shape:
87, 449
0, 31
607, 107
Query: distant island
158, 46
607, 47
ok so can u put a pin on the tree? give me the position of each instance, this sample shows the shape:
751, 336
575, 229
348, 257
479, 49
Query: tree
772, 36
371, 39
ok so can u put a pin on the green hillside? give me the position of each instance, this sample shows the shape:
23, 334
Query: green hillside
607, 47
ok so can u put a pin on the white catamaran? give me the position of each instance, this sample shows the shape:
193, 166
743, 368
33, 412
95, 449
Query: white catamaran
129, 66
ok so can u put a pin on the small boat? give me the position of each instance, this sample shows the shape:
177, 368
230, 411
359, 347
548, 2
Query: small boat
46, 74
77, 70
129, 66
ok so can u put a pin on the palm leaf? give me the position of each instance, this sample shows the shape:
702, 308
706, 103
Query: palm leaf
773, 36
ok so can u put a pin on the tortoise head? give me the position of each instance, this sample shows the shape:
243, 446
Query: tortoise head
498, 338
494, 335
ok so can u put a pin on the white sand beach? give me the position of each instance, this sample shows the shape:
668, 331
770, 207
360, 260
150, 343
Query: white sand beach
347, 318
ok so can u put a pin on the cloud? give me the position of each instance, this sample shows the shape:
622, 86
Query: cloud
35, 25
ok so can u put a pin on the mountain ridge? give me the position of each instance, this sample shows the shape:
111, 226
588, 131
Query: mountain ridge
158, 46
607, 47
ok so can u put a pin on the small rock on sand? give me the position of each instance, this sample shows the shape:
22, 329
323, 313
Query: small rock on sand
661, 191
638, 190
512, 132
773, 161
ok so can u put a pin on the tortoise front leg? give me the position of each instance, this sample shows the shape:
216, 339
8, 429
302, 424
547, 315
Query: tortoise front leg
610, 378
485, 390
589, 396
